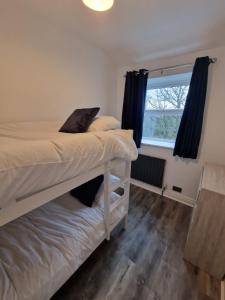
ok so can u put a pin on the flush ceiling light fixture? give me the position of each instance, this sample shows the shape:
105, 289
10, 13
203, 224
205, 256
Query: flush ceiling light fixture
99, 5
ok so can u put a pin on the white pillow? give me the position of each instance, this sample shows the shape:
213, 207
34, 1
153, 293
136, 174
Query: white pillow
104, 123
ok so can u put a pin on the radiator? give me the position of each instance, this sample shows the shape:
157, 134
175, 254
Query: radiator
149, 170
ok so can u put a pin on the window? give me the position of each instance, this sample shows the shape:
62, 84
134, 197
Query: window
165, 99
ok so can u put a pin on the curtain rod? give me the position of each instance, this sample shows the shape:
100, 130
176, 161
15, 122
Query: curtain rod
212, 60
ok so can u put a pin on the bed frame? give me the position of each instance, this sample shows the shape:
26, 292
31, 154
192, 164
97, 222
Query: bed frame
31, 202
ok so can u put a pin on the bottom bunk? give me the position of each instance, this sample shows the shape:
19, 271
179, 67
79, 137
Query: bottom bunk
42, 249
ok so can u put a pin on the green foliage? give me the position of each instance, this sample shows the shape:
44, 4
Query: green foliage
161, 126
164, 108
166, 127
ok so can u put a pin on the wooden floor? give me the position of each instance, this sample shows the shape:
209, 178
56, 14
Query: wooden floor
145, 261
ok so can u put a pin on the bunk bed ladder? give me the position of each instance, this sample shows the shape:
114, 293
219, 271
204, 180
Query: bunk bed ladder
123, 183
107, 193
127, 190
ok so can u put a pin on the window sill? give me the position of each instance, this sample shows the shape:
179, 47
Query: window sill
161, 144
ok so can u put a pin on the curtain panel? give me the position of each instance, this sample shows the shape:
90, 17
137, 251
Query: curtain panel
134, 103
189, 133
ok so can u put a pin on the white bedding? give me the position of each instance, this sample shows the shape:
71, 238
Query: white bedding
34, 156
41, 250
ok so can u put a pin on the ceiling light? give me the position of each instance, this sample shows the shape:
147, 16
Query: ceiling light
99, 5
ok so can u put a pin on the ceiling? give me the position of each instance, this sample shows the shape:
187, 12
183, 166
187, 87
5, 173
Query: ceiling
138, 30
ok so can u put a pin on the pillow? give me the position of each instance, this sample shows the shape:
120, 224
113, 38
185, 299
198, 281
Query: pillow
104, 123
79, 120
86, 192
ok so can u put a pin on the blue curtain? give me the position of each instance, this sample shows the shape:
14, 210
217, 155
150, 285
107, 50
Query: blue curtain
189, 133
134, 103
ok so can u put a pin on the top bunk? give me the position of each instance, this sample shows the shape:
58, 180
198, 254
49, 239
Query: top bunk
38, 163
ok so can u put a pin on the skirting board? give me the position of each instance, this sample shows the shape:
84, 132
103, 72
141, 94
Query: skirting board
179, 198
168, 193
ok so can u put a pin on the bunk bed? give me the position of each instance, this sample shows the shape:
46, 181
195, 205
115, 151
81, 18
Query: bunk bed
45, 233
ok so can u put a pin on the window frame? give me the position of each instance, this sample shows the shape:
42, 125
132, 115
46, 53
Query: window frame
188, 72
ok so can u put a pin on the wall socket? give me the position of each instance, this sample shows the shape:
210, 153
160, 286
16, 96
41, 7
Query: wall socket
177, 189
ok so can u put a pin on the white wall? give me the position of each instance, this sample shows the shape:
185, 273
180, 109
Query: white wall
186, 173
46, 70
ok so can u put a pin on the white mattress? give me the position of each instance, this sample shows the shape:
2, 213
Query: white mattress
41, 250
34, 156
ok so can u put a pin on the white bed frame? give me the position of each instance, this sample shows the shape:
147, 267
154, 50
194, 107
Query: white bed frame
29, 203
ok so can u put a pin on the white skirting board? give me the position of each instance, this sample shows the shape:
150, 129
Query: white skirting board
179, 198
168, 193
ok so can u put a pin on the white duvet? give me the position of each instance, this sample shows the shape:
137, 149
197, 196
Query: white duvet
34, 156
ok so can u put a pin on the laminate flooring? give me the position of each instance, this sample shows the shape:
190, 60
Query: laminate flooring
144, 262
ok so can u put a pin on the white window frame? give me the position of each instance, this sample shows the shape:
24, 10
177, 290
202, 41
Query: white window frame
158, 82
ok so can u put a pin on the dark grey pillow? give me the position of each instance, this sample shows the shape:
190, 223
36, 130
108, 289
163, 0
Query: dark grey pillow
79, 120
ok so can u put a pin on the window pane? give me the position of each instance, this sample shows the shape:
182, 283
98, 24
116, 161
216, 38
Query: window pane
165, 102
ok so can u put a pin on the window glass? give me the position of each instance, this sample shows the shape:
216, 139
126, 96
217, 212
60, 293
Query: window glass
165, 100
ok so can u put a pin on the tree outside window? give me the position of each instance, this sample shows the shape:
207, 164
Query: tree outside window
163, 110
